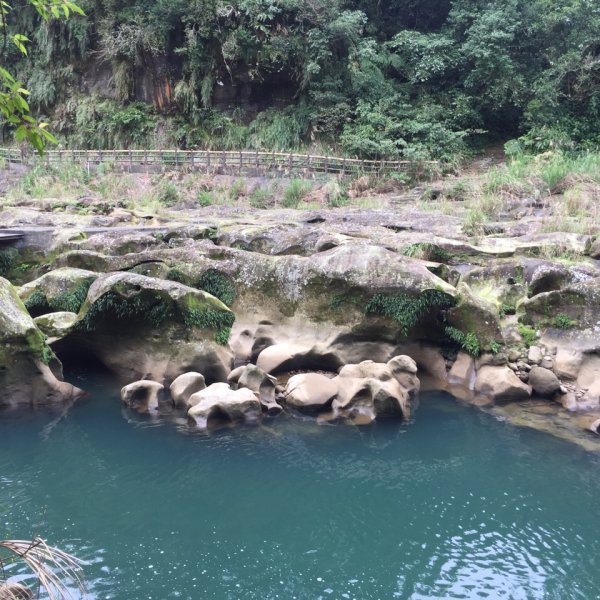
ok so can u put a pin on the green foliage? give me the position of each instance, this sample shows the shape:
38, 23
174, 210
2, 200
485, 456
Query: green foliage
37, 303
166, 192
218, 285
408, 79
427, 251
14, 106
467, 341
260, 197
528, 334
562, 321
222, 336
407, 310
495, 347
205, 198
72, 300
336, 193
8, 258
295, 192
112, 310
208, 318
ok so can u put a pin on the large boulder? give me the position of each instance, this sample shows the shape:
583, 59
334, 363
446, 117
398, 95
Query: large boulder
185, 386
60, 290
462, 372
475, 314
284, 357
145, 328
56, 325
28, 367
259, 382
544, 382
369, 389
310, 391
142, 395
219, 402
500, 384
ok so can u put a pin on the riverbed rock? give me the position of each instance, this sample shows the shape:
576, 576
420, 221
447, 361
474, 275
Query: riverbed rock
218, 401
142, 395
146, 328
568, 362
369, 389
28, 367
15, 591
259, 382
185, 386
544, 382
56, 325
535, 355
60, 290
280, 358
463, 371
500, 384
310, 391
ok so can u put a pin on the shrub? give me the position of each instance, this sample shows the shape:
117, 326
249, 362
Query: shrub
295, 193
167, 193
562, 321
528, 334
260, 197
469, 342
205, 198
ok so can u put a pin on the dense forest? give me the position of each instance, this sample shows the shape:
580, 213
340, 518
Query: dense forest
409, 78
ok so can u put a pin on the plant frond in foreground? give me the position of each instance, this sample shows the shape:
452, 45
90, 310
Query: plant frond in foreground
52, 567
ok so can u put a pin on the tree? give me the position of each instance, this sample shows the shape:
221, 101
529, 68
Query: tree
13, 96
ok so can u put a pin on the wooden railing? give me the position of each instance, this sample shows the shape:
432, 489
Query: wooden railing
221, 160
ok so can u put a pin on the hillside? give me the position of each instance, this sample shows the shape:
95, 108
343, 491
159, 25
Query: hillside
427, 79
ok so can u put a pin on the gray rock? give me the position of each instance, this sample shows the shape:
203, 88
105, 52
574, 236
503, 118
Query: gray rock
544, 382
142, 395
219, 402
185, 386
535, 355
500, 384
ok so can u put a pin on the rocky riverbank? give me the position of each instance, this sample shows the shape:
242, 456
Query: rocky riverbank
299, 300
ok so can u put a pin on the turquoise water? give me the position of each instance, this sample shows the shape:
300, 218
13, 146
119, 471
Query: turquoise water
455, 505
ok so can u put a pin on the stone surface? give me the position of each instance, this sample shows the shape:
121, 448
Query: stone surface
142, 395
64, 290
463, 371
310, 391
259, 382
28, 368
184, 386
568, 362
56, 325
535, 355
500, 384
544, 382
369, 389
219, 402
146, 328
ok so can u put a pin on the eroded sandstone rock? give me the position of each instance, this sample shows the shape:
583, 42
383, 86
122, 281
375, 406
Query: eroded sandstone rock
146, 328
544, 382
310, 391
219, 402
28, 366
500, 384
142, 395
185, 386
259, 382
